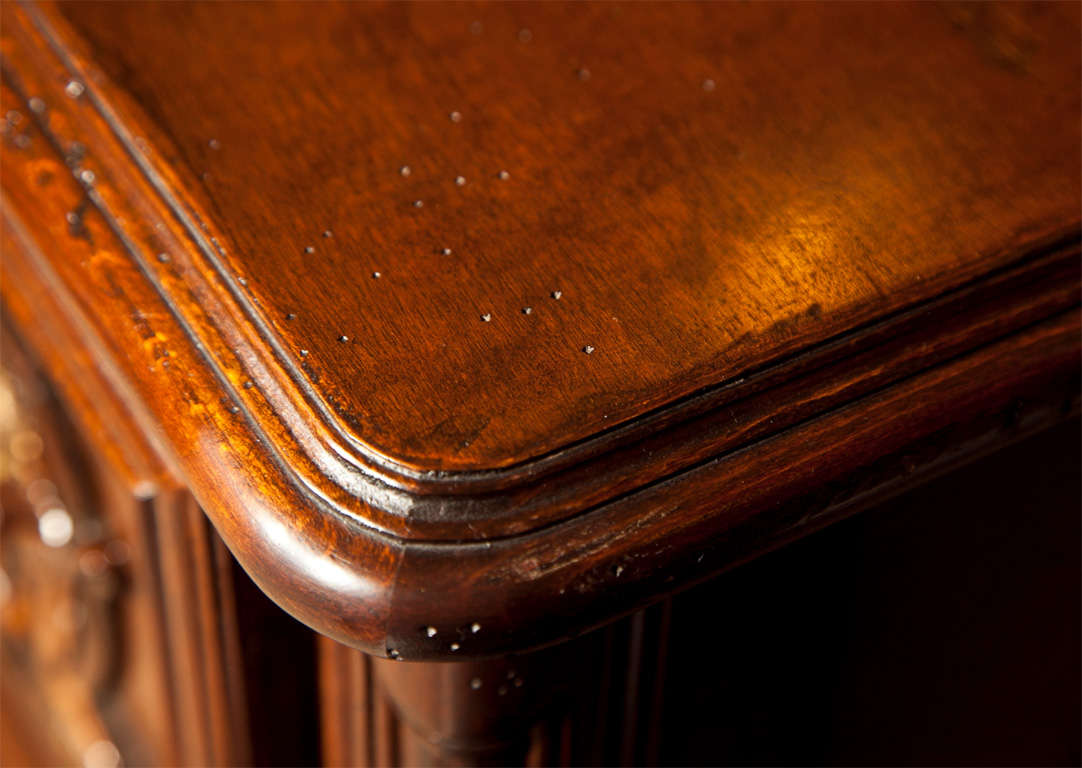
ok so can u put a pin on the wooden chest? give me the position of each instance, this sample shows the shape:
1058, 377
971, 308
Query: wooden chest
472, 334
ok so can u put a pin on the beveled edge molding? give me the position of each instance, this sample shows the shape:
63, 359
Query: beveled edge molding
672, 439
415, 600
470, 506
344, 455
792, 455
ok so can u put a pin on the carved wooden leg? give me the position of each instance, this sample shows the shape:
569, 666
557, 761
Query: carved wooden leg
591, 700
384, 712
471, 713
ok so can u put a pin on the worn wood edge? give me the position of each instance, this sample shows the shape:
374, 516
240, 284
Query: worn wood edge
342, 443
345, 580
302, 554
1042, 283
362, 497
582, 573
480, 513
89, 387
379, 594
233, 322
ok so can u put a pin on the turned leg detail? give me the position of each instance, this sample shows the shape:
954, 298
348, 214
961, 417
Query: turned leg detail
591, 700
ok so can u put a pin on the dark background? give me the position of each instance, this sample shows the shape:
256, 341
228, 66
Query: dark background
940, 629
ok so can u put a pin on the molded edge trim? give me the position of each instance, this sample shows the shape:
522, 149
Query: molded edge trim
381, 595
380, 466
673, 439
380, 592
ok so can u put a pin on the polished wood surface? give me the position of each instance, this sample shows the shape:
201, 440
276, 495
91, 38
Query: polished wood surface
694, 233
964, 588
939, 629
780, 260
481, 333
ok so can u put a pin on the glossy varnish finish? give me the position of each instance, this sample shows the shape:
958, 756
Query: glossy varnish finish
705, 201
470, 329
787, 267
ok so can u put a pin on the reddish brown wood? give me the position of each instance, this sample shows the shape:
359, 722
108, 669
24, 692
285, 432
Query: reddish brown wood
83, 644
814, 265
559, 706
782, 262
694, 234
761, 664
130, 633
346, 700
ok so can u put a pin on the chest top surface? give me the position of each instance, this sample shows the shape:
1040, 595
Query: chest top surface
471, 327
478, 235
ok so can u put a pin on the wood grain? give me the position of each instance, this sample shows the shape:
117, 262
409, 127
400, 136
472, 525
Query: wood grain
792, 279
693, 234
